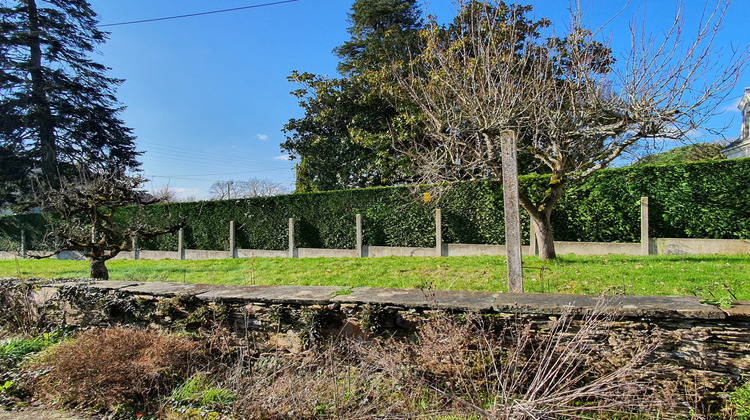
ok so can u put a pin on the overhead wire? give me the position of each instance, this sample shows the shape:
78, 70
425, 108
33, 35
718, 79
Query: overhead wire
204, 156
183, 179
179, 154
195, 160
234, 9
731, 99
219, 174
238, 171
225, 162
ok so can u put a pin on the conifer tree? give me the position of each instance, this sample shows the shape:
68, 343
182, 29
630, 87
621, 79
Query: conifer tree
57, 109
382, 31
344, 139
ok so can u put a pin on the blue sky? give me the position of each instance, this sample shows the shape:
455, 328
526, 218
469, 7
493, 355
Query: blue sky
207, 96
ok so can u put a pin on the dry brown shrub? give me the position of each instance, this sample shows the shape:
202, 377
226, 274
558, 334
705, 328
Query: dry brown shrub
341, 380
521, 369
470, 366
524, 369
105, 368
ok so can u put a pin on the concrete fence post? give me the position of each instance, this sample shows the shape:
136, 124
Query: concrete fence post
512, 216
358, 221
438, 233
232, 248
181, 243
645, 240
24, 251
533, 248
136, 251
291, 237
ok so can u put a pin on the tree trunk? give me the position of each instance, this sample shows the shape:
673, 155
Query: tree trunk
98, 270
544, 237
541, 215
41, 111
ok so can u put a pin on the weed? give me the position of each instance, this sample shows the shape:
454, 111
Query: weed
466, 367
203, 393
738, 403
14, 350
343, 292
24, 308
457, 369
513, 373
315, 320
377, 319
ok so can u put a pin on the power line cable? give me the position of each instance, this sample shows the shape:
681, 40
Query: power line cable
221, 174
183, 179
225, 162
180, 152
170, 157
234, 169
202, 153
132, 22
224, 159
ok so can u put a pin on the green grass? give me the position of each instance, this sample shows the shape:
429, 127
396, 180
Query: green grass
714, 277
15, 349
199, 391
13, 353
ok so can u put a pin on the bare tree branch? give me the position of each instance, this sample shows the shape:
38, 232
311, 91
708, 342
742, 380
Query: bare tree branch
253, 187
569, 103
82, 217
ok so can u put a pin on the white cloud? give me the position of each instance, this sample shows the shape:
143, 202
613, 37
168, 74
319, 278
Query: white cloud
282, 157
189, 193
262, 137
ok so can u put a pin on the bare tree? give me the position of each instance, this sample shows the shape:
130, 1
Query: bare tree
223, 190
256, 187
494, 74
83, 217
253, 187
165, 194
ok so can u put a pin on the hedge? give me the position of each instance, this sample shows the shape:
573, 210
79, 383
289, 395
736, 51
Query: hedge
699, 200
694, 200
392, 216
34, 228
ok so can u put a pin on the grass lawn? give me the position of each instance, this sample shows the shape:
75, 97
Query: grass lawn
713, 277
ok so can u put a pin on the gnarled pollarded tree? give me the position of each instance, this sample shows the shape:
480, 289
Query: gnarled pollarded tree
82, 216
495, 73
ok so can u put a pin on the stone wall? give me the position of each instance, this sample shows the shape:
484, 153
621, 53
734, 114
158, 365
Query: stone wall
702, 348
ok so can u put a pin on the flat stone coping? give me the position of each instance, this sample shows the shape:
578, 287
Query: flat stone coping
456, 300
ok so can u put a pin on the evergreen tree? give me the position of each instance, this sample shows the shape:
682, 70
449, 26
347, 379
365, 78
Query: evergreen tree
358, 130
57, 110
345, 138
382, 31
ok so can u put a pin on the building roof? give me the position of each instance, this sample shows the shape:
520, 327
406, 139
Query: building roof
743, 142
735, 143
